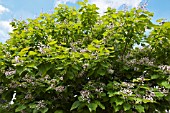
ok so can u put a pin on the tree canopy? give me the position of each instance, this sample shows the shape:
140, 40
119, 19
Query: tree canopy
78, 61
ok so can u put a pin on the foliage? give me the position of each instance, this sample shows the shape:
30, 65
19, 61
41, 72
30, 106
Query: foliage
74, 61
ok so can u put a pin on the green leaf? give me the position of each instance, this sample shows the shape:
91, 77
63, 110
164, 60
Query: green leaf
80, 3
92, 106
59, 111
52, 43
155, 76
22, 53
147, 101
165, 84
85, 1
167, 97
20, 108
60, 68
114, 15
138, 100
97, 41
126, 106
106, 65
32, 53
20, 69
13, 49
49, 88
135, 80
31, 65
44, 110
74, 13
75, 67
35, 111
101, 72
112, 100
25, 49
159, 20
159, 94
32, 105
117, 108
70, 75
75, 105
139, 108
111, 94
43, 68
119, 101
86, 55
99, 104
91, 48
144, 87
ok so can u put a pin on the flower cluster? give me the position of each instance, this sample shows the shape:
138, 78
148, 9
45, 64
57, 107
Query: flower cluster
85, 95
162, 90
8, 54
99, 90
83, 50
10, 72
60, 88
126, 91
28, 96
149, 95
143, 5
1, 90
86, 65
110, 71
29, 79
82, 73
13, 85
165, 68
128, 85
40, 104
142, 61
74, 46
42, 48
18, 60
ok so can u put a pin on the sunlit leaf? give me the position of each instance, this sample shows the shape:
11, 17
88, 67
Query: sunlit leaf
75, 105
20, 108
92, 106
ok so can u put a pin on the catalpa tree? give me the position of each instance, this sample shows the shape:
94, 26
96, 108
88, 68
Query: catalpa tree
77, 61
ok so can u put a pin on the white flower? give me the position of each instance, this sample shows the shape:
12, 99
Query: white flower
85, 66
110, 71
61, 78
126, 91
17, 59
10, 72
85, 95
60, 88
41, 104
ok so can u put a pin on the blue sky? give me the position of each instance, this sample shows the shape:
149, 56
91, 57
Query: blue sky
23, 9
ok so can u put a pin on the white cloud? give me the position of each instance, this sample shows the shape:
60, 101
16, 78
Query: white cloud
64, 2
3, 9
5, 28
5, 25
103, 4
